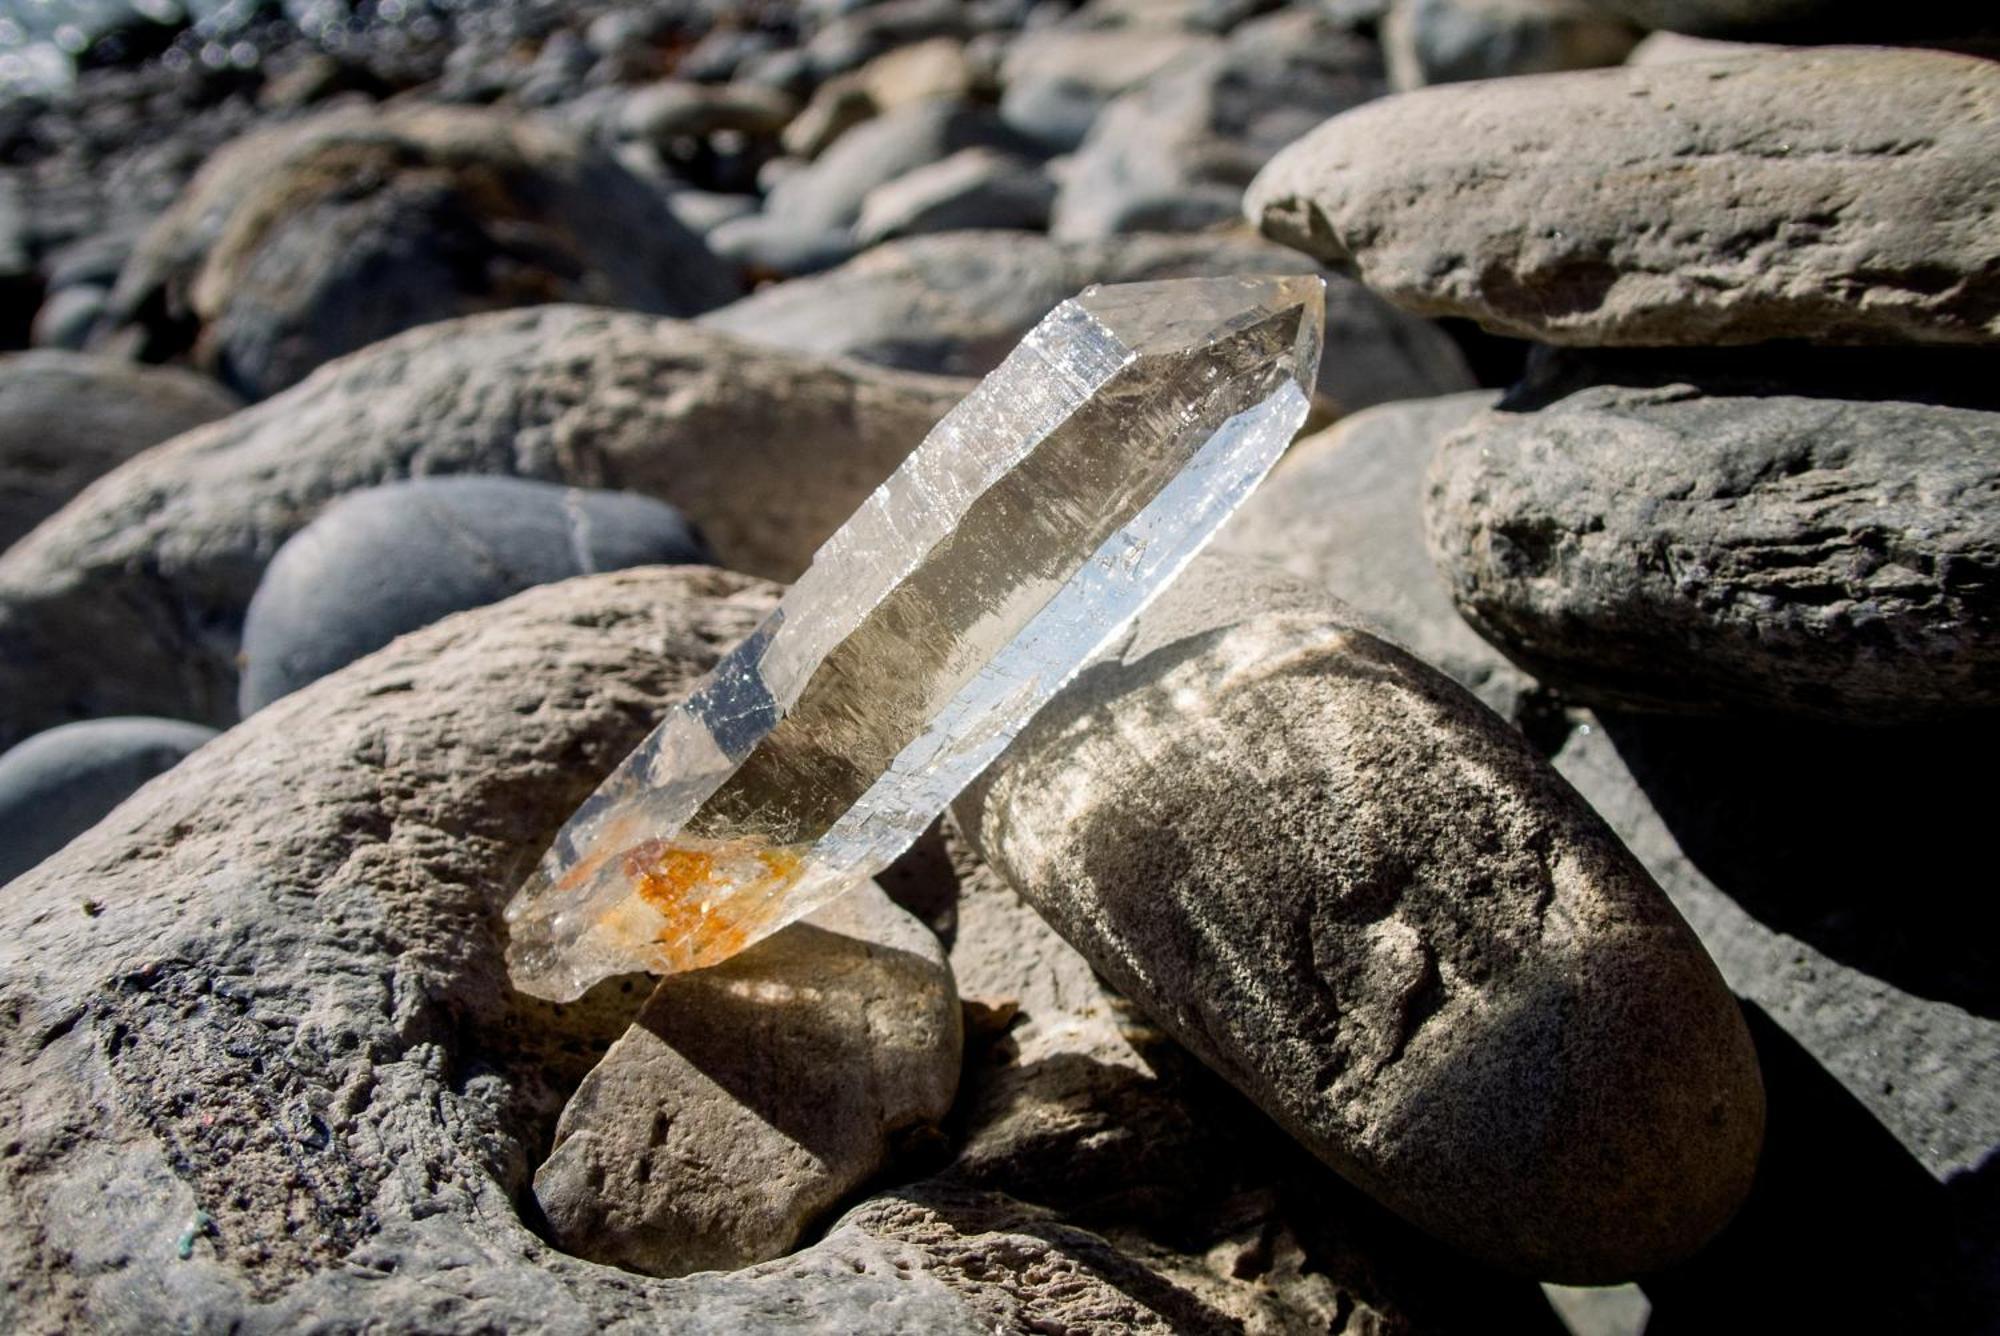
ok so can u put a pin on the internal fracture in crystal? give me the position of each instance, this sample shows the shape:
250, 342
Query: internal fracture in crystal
1031, 525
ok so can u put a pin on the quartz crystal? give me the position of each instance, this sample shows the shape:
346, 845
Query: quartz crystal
1033, 522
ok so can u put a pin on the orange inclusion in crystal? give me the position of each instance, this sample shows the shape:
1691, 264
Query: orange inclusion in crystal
700, 929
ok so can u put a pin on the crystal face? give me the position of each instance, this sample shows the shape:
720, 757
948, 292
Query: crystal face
1034, 521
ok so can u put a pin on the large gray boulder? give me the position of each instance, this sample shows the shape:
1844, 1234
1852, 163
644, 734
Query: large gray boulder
748, 1098
1369, 904
1663, 548
67, 418
58, 784
1345, 508
767, 452
959, 302
388, 560
308, 240
1843, 195
1174, 153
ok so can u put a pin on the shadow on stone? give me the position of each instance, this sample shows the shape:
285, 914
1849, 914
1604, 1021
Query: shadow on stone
1851, 839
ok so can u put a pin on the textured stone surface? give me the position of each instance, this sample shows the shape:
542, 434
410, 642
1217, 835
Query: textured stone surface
1075, 1102
306, 241
1830, 890
1407, 940
1668, 549
342, 586
767, 452
66, 418
1774, 197
958, 303
1344, 508
57, 784
282, 1041
1174, 153
747, 1099
1451, 41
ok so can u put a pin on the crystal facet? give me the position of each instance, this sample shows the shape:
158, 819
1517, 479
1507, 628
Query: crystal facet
1034, 521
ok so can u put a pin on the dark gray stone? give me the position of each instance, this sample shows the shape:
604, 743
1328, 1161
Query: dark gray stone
1057, 80
67, 418
1371, 906
388, 560
1771, 192
1668, 549
69, 315
1345, 508
302, 242
767, 452
1451, 41
1175, 153
960, 302
58, 784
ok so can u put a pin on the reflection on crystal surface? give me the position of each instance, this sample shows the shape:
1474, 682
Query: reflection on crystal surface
1034, 521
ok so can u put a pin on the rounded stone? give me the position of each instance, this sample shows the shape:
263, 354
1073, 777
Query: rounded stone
301, 242
1371, 906
1662, 548
1767, 196
385, 561
60, 783
767, 452
66, 418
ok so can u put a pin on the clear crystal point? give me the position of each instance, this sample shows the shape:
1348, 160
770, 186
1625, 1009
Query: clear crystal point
1034, 521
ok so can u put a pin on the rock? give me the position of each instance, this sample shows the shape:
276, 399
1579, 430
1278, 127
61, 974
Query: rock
917, 72
1409, 943
837, 106
747, 1099
66, 418
1166, 15
767, 452
1669, 549
66, 319
1077, 1105
676, 109
1875, 1013
1451, 41
1175, 152
1804, 20
339, 588
765, 246
959, 303
1773, 194
58, 784
703, 211
975, 187
1057, 80
1344, 509
864, 33
828, 194
1672, 48
312, 239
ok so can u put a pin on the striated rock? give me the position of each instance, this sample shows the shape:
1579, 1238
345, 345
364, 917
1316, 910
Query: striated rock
1451, 41
748, 1098
1077, 1104
58, 784
1175, 152
975, 187
1410, 943
958, 303
341, 588
767, 452
66, 418
1774, 194
1877, 1015
1345, 509
1669, 549
305, 241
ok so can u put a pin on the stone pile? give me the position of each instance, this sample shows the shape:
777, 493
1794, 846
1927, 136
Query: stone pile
1534, 848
